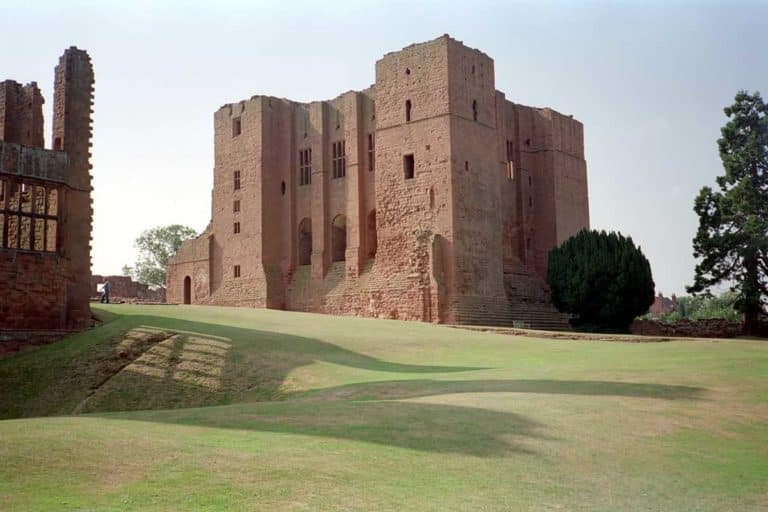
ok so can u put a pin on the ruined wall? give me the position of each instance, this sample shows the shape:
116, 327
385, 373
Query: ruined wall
126, 288
192, 262
45, 206
21, 113
34, 291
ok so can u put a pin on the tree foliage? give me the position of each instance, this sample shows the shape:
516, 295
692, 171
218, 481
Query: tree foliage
601, 278
698, 307
156, 246
731, 242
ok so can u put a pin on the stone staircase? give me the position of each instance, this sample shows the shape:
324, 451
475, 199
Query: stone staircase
529, 299
478, 313
538, 315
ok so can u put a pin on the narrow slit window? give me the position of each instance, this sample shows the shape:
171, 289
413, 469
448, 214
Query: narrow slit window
236, 228
236, 206
237, 180
236, 271
371, 152
409, 166
510, 160
237, 126
407, 111
474, 110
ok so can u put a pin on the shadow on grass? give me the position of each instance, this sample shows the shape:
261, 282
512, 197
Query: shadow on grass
210, 364
254, 364
425, 427
405, 389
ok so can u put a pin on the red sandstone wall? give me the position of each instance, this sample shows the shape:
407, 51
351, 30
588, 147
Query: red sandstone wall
34, 291
193, 261
476, 184
447, 240
241, 153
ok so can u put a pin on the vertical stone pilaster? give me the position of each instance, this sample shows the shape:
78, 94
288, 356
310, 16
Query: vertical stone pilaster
355, 186
318, 114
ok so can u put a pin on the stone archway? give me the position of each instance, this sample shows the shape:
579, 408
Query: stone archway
187, 290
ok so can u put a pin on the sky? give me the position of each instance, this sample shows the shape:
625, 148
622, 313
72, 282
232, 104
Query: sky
649, 80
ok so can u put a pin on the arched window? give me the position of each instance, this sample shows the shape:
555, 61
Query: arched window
339, 238
305, 242
187, 290
407, 111
373, 241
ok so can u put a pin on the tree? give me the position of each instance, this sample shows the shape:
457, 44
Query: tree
731, 242
601, 278
156, 246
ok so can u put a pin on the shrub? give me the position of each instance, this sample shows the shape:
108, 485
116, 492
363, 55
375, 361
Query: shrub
601, 278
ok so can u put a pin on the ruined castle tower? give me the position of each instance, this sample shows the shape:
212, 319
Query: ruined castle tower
427, 196
45, 202
72, 109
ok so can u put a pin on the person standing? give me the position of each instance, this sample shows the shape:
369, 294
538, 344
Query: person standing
105, 292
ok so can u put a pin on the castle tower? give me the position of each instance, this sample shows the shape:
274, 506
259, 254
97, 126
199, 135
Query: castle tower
72, 109
21, 114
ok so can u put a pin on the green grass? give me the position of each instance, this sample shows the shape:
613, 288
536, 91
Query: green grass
264, 410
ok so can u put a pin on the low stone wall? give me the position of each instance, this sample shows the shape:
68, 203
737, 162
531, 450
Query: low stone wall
709, 328
124, 287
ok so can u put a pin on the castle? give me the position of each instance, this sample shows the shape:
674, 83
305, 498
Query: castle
428, 196
45, 202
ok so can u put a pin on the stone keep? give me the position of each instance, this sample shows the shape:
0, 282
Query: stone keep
45, 202
427, 196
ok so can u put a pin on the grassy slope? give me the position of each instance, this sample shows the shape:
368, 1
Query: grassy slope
380, 415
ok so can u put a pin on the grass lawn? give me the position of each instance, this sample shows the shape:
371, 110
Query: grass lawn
201, 408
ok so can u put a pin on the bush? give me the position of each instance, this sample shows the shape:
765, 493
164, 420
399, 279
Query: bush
695, 307
601, 278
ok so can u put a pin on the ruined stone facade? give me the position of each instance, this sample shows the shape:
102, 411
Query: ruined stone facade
45, 201
428, 196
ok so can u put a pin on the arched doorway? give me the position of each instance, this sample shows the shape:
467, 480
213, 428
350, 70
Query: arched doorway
187, 290
372, 237
339, 238
305, 242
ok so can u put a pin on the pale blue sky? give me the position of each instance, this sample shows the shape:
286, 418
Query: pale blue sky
648, 80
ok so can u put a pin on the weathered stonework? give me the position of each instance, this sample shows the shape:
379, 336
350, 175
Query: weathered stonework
125, 289
45, 202
443, 208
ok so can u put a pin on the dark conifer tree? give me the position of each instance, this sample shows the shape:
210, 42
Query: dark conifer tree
732, 240
602, 279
